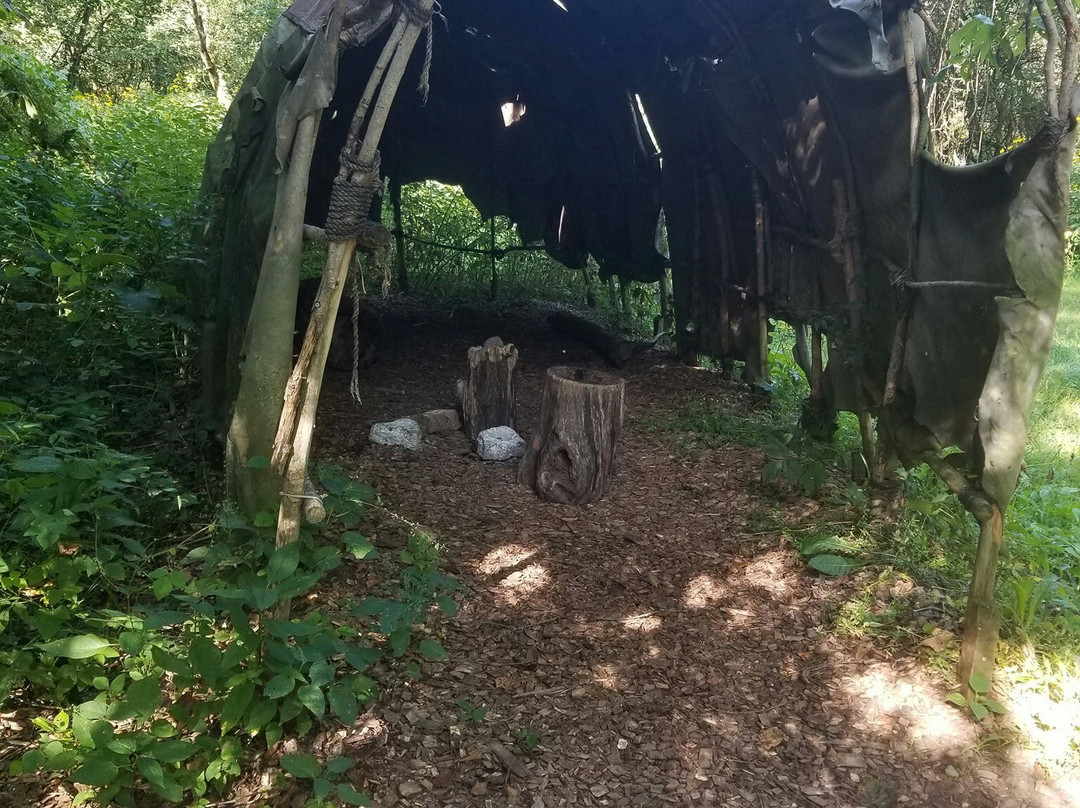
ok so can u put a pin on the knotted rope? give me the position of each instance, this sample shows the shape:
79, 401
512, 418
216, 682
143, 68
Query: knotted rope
350, 199
354, 382
415, 13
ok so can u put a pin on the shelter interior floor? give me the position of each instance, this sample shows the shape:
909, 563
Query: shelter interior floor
663, 647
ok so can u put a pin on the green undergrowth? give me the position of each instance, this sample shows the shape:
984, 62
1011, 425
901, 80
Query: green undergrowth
912, 584
142, 632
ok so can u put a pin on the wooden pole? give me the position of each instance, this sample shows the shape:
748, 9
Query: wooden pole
399, 238
761, 235
293, 443
494, 264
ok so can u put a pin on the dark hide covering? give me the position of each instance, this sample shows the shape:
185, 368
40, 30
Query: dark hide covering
806, 99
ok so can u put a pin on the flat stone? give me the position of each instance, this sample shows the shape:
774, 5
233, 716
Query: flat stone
499, 443
439, 422
403, 432
493, 342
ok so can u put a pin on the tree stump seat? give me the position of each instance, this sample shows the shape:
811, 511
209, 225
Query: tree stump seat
571, 457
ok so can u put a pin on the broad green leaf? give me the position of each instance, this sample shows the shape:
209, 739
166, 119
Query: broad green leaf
399, 640
979, 711
350, 796
172, 751
321, 788
97, 770
980, 683
143, 696
312, 698
832, 565
321, 673
338, 765
82, 646
42, 464
235, 705
261, 714
305, 766
205, 659
283, 562
343, 703
279, 686
357, 545
432, 650
447, 605
995, 706
957, 699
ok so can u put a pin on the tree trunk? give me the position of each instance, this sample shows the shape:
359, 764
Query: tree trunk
266, 359
571, 457
488, 396
213, 72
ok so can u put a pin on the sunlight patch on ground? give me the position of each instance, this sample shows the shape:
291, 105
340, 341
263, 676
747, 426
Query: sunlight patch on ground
1044, 701
641, 623
770, 572
607, 676
883, 696
1064, 433
519, 586
502, 558
703, 591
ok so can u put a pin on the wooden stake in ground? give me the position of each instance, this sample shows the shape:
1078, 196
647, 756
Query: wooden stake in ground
488, 397
571, 458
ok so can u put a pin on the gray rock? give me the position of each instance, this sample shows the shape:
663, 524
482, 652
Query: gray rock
403, 432
493, 342
439, 422
499, 443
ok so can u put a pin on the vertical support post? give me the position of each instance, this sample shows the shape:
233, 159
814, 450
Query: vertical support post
399, 238
982, 621
590, 292
667, 319
494, 264
761, 235
624, 296
817, 366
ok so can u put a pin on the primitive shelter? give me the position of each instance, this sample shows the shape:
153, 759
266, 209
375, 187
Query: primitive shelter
788, 161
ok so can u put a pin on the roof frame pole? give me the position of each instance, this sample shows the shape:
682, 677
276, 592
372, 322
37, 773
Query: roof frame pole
761, 238
359, 168
916, 142
267, 350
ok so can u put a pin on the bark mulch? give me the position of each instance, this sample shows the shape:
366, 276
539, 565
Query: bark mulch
657, 648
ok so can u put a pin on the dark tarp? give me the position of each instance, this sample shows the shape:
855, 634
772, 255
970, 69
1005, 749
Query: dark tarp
803, 95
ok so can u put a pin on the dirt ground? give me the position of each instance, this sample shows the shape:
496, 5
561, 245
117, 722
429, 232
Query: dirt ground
662, 647
657, 648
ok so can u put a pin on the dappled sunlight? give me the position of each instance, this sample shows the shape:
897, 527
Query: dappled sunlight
1045, 705
607, 676
885, 696
642, 623
703, 591
518, 586
1062, 434
770, 572
503, 558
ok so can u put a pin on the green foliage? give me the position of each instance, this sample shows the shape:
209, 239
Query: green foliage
471, 713
979, 703
149, 630
109, 47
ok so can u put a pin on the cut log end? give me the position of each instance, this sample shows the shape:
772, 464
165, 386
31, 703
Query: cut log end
571, 457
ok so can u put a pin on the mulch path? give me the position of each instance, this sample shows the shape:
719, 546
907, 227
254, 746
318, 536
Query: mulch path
663, 647
658, 647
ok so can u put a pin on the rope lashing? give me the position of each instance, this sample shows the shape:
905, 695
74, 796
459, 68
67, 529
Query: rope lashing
416, 14
350, 199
